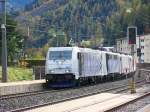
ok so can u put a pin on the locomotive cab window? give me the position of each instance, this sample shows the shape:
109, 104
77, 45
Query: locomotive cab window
60, 55
79, 55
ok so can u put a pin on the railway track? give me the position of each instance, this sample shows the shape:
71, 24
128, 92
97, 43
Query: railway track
123, 107
2, 97
114, 89
5, 97
9, 96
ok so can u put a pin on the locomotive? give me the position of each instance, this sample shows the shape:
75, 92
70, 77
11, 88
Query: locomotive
70, 66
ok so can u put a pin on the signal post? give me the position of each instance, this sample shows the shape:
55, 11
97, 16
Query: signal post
131, 34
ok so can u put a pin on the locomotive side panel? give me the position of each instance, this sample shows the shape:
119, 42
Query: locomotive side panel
113, 63
93, 64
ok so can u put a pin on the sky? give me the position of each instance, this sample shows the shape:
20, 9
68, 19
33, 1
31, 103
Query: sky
0, 6
17, 3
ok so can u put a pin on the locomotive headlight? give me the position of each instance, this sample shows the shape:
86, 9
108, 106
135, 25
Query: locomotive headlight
51, 71
60, 62
67, 71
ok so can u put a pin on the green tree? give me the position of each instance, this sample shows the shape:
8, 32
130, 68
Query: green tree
14, 40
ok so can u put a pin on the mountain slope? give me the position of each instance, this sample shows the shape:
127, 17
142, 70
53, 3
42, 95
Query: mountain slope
84, 19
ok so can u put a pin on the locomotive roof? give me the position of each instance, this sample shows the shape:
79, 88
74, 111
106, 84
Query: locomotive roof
61, 48
84, 50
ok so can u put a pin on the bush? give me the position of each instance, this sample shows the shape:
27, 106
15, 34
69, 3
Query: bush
18, 74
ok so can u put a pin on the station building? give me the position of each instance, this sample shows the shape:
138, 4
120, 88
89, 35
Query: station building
142, 41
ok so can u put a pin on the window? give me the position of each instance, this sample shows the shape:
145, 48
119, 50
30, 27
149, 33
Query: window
60, 55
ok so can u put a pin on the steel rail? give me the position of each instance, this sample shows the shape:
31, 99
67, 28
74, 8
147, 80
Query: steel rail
127, 103
76, 97
9, 96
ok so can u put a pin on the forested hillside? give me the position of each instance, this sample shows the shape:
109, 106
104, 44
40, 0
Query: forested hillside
44, 23
84, 20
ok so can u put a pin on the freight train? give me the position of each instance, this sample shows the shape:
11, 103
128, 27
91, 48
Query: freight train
70, 66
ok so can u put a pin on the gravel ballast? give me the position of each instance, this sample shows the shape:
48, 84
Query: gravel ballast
21, 102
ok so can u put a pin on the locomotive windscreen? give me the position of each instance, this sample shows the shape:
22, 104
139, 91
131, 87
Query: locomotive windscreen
60, 55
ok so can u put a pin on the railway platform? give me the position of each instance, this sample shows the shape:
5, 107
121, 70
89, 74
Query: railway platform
96, 103
145, 109
21, 87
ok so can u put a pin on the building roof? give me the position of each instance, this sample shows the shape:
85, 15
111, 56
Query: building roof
121, 39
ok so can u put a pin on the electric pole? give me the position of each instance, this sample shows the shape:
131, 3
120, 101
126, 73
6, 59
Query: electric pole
4, 42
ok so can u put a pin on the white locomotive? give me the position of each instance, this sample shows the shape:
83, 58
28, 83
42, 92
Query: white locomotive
68, 66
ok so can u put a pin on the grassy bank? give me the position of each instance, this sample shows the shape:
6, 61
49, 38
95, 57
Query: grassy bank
17, 74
